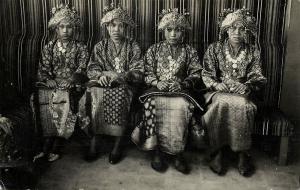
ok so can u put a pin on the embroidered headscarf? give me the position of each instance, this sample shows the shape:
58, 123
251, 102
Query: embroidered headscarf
112, 12
64, 13
172, 17
228, 18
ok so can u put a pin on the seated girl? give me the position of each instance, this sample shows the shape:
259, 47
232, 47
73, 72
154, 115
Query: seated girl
63, 62
172, 68
114, 69
232, 70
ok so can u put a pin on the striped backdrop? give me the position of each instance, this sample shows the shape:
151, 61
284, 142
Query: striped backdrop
24, 32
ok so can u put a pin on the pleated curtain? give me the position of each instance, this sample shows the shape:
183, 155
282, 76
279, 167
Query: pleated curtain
24, 32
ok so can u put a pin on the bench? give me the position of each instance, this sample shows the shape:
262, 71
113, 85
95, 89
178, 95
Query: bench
272, 122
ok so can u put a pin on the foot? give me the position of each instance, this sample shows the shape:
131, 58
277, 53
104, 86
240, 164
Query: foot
181, 165
158, 164
245, 166
38, 156
115, 158
53, 157
116, 153
216, 164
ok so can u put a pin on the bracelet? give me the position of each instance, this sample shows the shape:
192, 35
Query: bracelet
154, 83
215, 84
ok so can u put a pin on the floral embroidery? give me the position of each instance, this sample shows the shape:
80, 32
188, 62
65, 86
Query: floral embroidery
161, 65
105, 58
218, 68
59, 62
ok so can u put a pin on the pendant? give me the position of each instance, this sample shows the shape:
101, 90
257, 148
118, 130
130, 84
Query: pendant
117, 64
117, 60
172, 62
61, 47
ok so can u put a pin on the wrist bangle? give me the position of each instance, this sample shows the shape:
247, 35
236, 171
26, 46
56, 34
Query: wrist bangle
215, 84
154, 83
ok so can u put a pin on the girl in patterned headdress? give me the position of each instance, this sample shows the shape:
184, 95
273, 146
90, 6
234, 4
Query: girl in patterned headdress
63, 64
172, 69
232, 70
114, 69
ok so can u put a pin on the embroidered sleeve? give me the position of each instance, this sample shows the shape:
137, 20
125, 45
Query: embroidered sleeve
150, 76
96, 64
45, 66
210, 62
136, 62
194, 68
82, 59
255, 78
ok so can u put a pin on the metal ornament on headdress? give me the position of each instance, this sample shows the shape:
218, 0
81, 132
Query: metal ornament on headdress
64, 13
172, 17
229, 17
111, 12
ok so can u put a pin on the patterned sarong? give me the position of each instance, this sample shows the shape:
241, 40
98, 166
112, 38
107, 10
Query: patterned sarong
229, 121
109, 109
55, 114
165, 124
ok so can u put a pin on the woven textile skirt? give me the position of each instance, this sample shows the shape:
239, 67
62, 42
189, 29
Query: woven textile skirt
56, 116
105, 110
165, 124
229, 121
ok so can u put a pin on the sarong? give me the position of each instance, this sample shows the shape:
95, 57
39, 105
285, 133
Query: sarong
56, 117
105, 110
229, 120
165, 124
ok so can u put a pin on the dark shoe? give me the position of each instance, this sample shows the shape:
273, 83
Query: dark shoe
216, 164
52, 157
245, 166
158, 163
114, 158
181, 165
159, 166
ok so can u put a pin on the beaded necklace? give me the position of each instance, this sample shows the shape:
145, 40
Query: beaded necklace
234, 62
170, 69
117, 58
171, 57
61, 47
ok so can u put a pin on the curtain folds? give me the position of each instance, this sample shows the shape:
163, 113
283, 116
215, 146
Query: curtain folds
24, 32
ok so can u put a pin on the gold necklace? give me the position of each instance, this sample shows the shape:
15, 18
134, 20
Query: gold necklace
61, 47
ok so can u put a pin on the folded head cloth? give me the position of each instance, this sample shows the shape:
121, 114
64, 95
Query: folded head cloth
64, 12
228, 17
112, 12
172, 17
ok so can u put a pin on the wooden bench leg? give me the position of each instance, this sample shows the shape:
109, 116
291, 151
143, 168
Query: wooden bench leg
283, 151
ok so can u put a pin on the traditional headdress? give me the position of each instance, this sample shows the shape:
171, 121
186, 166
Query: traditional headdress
228, 17
173, 17
111, 12
64, 13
